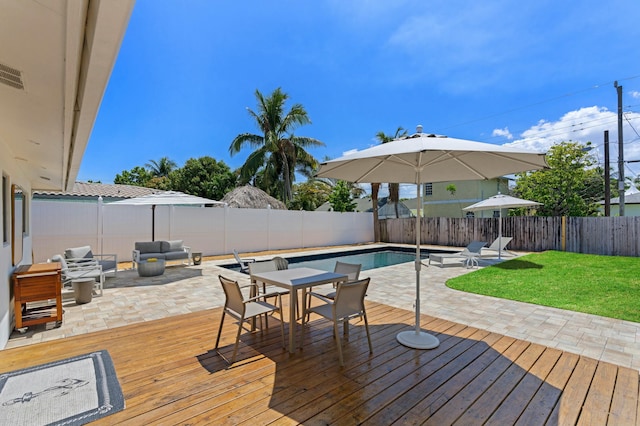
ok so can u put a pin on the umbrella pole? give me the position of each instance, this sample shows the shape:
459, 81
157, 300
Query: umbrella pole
418, 339
500, 235
153, 222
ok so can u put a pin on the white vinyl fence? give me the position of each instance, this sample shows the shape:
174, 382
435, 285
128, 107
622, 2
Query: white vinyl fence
107, 228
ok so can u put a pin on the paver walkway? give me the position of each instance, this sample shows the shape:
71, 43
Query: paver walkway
129, 299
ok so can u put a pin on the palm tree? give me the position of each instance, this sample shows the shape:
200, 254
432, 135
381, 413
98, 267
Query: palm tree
394, 188
162, 167
278, 152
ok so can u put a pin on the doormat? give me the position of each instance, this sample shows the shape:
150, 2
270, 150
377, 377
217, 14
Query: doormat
73, 391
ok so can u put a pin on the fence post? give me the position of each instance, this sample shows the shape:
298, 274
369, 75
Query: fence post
563, 234
99, 227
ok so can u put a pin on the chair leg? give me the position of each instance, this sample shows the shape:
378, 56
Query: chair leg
366, 327
338, 342
235, 348
282, 320
219, 330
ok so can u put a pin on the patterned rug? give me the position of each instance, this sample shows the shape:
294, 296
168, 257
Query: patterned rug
73, 391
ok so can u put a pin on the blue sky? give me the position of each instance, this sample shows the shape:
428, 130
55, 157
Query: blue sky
526, 73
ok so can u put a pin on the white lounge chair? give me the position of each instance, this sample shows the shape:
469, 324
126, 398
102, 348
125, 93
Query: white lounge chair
244, 263
498, 247
470, 254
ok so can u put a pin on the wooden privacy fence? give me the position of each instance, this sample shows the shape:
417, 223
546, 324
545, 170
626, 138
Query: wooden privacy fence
616, 236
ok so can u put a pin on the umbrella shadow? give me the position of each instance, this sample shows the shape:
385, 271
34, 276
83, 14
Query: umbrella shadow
463, 378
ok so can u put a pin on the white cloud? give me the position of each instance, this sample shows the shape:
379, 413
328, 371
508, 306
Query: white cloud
587, 125
351, 151
505, 133
635, 94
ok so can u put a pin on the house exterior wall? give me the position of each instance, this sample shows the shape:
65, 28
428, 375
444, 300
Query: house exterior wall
441, 203
13, 175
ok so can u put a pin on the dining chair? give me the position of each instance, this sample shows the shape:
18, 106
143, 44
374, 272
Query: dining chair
347, 305
243, 310
351, 270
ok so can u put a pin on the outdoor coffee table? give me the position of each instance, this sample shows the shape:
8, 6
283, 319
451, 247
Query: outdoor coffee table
150, 269
294, 279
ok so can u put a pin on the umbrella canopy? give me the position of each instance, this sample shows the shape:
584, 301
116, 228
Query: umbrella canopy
423, 158
250, 197
166, 198
501, 201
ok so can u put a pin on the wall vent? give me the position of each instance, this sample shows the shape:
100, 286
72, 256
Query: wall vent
11, 77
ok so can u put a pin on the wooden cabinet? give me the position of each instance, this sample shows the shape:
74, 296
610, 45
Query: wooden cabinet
37, 290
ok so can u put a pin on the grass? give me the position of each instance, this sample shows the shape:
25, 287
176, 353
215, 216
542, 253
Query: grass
608, 286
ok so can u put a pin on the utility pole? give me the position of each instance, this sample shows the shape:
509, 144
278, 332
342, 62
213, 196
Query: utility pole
620, 149
607, 176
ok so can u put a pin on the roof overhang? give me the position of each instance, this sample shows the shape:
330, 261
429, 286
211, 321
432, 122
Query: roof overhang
63, 52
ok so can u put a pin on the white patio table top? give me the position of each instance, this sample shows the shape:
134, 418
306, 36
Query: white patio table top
294, 279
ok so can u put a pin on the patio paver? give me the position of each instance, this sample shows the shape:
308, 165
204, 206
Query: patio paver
129, 299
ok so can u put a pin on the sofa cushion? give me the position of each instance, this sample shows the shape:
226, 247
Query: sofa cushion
145, 256
149, 246
173, 255
83, 252
173, 245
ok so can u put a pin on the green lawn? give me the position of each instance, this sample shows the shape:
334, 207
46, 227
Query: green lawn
602, 285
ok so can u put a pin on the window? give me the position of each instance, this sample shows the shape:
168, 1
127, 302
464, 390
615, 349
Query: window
496, 213
470, 215
428, 189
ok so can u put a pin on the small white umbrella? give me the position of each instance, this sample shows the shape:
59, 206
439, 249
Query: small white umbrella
166, 198
500, 201
421, 158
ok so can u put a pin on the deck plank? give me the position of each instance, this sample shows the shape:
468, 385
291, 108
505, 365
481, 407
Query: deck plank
170, 374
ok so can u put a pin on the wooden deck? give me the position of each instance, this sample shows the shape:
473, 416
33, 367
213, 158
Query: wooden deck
170, 375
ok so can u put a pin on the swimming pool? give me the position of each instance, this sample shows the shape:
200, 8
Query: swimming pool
368, 258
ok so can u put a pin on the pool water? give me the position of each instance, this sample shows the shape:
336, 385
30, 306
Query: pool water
371, 260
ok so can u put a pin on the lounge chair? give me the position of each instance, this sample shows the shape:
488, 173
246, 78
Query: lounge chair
89, 268
470, 254
497, 248
244, 263
109, 262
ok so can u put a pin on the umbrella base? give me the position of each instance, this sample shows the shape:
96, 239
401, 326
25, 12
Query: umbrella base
417, 340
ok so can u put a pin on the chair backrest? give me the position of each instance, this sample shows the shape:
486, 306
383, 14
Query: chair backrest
83, 252
281, 263
237, 256
234, 299
475, 247
264, 266
350, 298
352, 270
500, 243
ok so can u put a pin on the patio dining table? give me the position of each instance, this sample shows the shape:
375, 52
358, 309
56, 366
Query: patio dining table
294, 279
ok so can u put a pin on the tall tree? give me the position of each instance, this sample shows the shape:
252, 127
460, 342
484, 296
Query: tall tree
162, 167
572, 185
204, 177
277, 150
340, 198
138, 176
394, 188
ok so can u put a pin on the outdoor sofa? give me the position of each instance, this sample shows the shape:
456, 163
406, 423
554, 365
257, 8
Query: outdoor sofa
167, 250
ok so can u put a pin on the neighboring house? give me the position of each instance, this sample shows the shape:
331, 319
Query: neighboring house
438, 202
55, 61
90, 192
631, 205
386, 209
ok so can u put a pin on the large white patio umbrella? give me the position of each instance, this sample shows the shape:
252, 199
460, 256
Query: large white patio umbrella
421, 158
500, 201
166, 198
